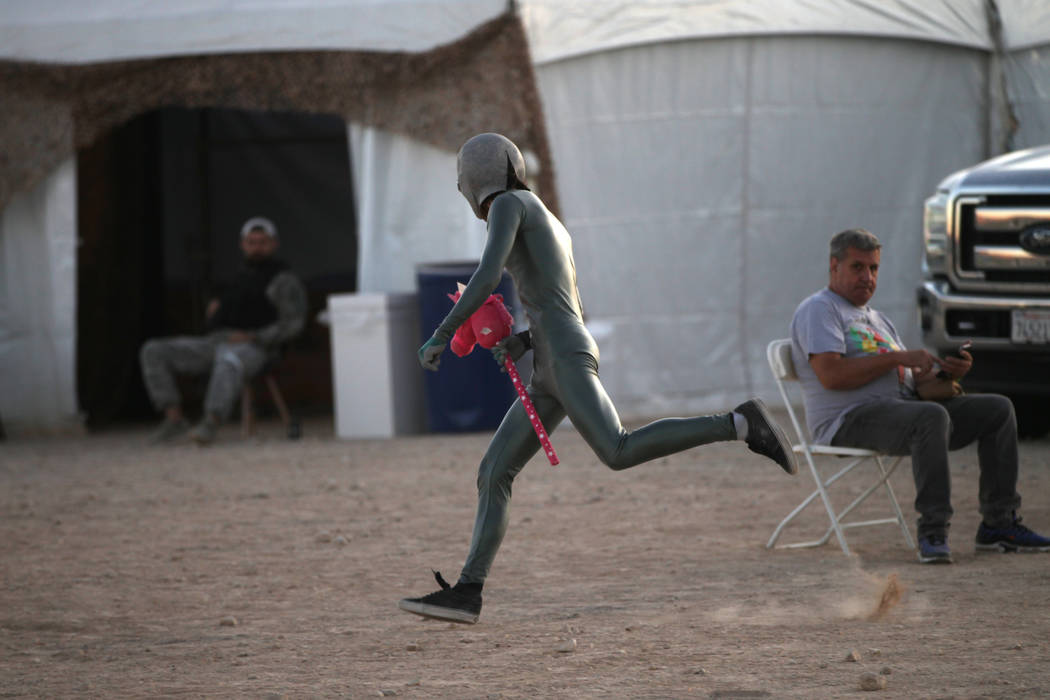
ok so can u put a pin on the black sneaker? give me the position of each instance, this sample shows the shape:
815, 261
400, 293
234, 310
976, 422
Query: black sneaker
933, 549
765, 437
459, 603
1014, 538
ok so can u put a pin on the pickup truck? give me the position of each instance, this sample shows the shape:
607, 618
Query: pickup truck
986, 278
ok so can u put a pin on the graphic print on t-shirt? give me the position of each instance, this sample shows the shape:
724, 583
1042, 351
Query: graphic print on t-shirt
867, 340
863, 338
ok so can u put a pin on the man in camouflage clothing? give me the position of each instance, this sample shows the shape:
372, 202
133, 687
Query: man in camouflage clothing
264, 307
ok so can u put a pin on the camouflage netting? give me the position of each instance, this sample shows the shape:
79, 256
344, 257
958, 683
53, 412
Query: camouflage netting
442, 97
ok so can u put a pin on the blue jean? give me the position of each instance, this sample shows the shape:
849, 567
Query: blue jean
927, 430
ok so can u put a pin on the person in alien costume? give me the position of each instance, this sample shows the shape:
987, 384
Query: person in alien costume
526, 239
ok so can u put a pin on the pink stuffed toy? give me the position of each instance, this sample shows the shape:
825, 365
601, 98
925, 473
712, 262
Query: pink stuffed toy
486, 327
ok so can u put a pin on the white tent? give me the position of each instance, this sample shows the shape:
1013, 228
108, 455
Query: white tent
705, 152
38, 234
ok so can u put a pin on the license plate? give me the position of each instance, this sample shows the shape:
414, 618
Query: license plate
1030, 326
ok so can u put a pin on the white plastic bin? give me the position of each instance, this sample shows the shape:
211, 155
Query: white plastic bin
378, 381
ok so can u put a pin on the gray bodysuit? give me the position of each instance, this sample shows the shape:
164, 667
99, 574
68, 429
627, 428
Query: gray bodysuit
530, 242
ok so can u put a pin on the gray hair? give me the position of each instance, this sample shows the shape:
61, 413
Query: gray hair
858, 238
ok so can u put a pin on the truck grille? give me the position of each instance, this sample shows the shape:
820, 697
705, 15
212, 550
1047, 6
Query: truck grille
1002, 243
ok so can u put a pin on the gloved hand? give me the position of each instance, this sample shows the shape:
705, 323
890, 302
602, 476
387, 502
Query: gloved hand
512, 346
430, 354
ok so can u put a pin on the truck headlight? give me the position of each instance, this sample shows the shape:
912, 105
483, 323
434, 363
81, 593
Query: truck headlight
935, 233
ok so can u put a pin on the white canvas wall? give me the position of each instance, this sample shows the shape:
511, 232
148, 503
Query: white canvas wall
561, 29
408, 209
1025, 23
74, 31
1028, 79
38, 306
702, 179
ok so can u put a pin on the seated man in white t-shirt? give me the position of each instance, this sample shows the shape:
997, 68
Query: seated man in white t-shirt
859, 388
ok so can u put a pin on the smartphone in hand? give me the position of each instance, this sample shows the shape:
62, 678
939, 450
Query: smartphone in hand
958, 353
942, 374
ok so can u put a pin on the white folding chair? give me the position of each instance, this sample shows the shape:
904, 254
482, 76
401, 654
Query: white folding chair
778, 353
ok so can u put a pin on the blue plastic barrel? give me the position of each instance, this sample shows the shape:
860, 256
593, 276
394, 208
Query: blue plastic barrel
467, 394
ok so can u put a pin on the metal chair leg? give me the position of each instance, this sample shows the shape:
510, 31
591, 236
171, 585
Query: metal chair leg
247, 410
278, 401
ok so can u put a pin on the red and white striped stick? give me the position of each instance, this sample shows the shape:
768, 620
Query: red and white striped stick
537, 425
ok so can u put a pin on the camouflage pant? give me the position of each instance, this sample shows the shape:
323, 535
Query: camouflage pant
230, 364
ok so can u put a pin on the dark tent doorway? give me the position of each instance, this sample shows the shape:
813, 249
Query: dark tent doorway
160, 204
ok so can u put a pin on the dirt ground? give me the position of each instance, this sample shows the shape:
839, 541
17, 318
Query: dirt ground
268, 568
